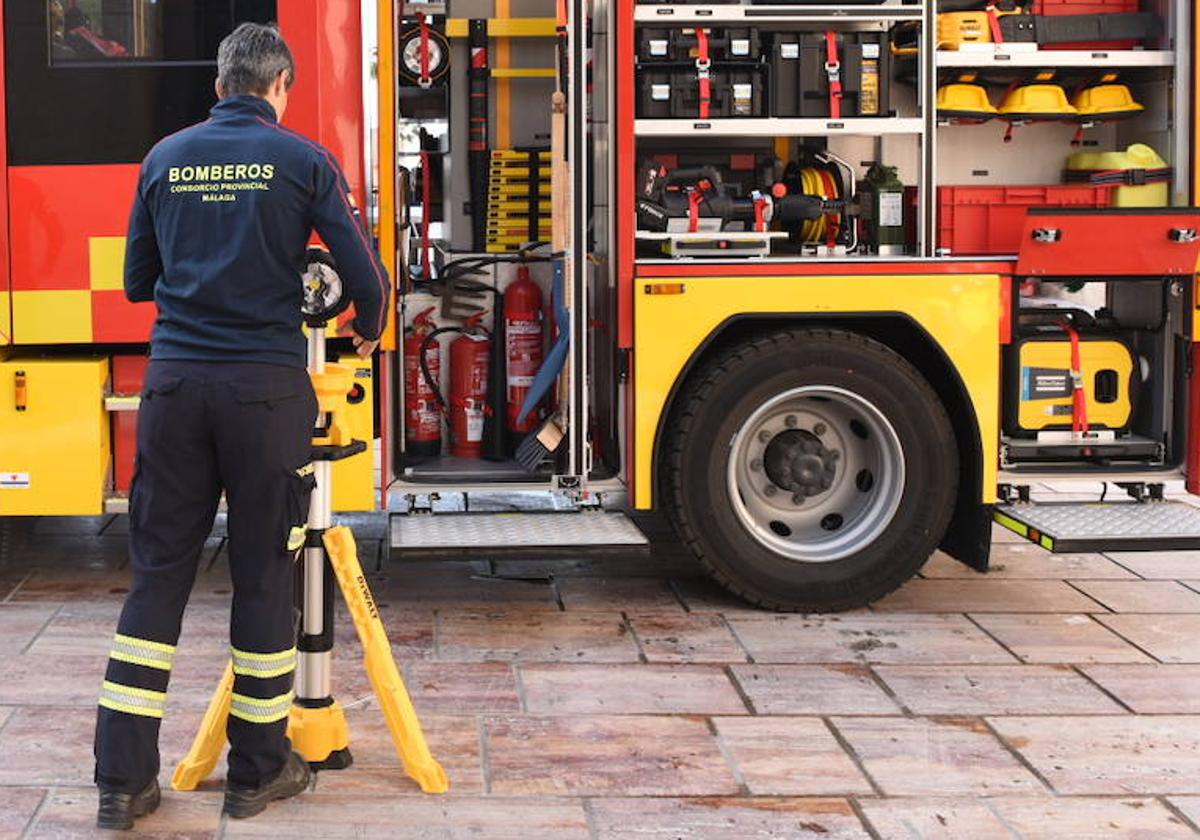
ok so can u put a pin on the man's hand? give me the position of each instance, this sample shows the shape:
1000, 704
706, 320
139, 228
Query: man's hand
364, 347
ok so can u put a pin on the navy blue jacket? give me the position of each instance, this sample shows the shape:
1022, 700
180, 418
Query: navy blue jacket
222, 218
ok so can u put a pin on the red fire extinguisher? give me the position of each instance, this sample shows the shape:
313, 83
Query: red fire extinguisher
523, 337
468, 389
422, 417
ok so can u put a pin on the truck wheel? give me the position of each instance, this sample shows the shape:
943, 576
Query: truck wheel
810, 469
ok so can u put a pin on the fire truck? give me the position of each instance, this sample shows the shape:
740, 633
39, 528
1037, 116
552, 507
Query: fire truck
831, 285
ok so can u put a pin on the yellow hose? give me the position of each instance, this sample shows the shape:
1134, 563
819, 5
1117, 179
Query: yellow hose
811, 183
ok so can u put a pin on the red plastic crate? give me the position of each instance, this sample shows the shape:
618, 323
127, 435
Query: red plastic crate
988, 220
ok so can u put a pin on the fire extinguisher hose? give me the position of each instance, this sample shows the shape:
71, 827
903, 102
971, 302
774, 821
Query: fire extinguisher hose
426, 374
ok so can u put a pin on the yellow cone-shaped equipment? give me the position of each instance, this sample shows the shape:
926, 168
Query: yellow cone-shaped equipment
1106, 102
1039, 102
961, 101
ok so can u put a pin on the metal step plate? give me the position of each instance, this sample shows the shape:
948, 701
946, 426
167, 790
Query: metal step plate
513, 530
1064, 527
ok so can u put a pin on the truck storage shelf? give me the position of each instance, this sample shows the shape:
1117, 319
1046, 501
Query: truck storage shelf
779, 127
1002, 57
672, 13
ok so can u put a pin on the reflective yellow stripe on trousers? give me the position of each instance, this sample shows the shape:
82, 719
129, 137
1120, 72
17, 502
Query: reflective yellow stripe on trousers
263, 665
142, 652
132, 701
259, 710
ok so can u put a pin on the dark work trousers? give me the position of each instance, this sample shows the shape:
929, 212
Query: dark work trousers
203, 428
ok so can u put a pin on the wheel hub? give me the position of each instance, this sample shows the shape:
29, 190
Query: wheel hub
815, 473
796, 460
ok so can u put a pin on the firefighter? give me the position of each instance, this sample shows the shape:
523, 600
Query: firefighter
220, 222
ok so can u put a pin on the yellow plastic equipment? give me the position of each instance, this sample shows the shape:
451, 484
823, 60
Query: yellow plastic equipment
1044, 388
331, 386
957, 28
1037, 102
1106, 102
960, 101
1138, 162
206, 747
381, 667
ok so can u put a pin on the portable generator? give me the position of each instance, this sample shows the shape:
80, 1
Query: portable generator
1040, 385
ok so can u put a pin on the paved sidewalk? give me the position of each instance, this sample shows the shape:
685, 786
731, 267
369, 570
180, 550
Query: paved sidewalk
1056, 697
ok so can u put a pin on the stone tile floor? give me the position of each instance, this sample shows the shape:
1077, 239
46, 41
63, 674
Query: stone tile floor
627, 697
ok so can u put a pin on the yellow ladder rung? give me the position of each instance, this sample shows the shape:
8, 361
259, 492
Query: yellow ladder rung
517, 154
531, 27
522, 72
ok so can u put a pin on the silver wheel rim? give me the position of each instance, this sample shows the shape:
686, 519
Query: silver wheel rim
816, 473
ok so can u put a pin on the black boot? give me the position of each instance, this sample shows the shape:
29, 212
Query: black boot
242, 802
119, 810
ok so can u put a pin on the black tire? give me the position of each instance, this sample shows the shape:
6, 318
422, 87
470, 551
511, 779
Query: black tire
724, 393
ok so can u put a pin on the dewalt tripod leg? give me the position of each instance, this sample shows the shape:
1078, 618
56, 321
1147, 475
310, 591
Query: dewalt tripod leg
389, 688
316, 723
206, 747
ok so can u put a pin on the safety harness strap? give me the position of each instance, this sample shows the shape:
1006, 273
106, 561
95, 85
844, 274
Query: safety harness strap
1079, 417
760, 211
994, 25
1120, 177
833, 70
695, 199
423, 50
703, 79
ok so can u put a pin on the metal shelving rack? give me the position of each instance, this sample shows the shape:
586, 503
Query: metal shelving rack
1172, 106
883, 17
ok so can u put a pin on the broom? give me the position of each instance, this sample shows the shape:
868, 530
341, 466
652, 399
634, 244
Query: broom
544, 442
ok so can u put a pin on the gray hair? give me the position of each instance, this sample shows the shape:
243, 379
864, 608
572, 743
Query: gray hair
251, 57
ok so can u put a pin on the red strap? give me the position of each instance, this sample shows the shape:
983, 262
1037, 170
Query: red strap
703, 62
695, 198
994, 25
760, 212
1079, 418
423, 51
833, 69
1008, 132
833, 221
426, 213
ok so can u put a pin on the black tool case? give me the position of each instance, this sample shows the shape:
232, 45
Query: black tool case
799, 84
676, 44
736, 91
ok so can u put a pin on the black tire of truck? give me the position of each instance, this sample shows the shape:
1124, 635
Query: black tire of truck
877, 403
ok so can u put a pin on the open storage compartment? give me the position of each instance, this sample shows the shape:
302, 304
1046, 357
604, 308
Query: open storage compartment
473, 228
1095, 375
779, 132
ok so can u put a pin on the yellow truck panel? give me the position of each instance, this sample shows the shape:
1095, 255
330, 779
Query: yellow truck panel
54, 435
962, 313
354, 478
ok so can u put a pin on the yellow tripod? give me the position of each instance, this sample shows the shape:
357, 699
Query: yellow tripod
316, 723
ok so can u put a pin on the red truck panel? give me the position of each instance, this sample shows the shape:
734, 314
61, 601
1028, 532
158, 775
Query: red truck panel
1110, 243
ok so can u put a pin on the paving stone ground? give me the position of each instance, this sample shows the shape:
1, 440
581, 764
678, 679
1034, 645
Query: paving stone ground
630, 699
